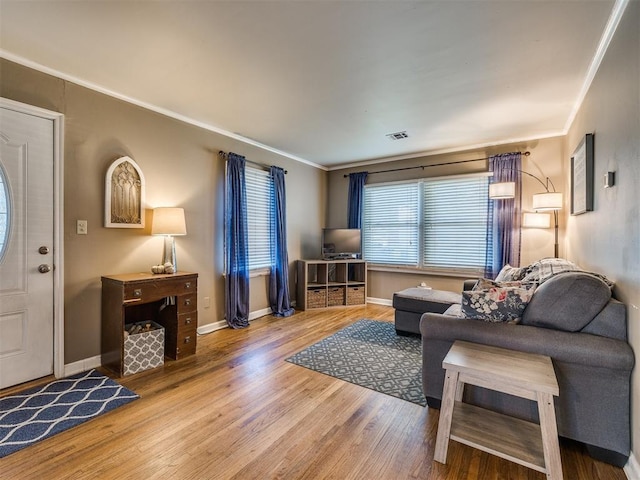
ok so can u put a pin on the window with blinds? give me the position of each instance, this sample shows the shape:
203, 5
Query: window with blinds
259, 188
437, 224
390, 224
455, 223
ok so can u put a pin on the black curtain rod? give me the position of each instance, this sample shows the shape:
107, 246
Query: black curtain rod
526, 154
263, 165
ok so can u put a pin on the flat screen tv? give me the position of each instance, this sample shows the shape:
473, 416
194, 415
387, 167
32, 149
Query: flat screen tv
341, 243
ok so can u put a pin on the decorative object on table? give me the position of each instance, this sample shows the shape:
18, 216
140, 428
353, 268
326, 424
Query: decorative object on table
582, 166
168, 221
547, 201
124, 195
163, 268
370, 354
42, 412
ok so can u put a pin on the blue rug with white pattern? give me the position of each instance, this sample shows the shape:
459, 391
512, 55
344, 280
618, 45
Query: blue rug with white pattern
41, 412
369, 353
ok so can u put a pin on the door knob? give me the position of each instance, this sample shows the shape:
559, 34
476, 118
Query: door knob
43, 250
44, 268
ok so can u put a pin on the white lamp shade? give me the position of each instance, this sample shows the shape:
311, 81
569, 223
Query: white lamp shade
547, 201
502, 190
168, 221
536, 220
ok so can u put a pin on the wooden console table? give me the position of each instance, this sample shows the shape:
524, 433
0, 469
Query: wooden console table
139, 297
521, 374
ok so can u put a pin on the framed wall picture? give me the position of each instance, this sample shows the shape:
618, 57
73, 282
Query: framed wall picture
124, 195
582, 166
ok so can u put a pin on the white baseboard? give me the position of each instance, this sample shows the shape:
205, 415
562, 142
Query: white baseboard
212, 327
82, 365
632, 468
260, 313
380, 301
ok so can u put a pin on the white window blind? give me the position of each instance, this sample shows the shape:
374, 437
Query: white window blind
390, 224
455, 223
259, 198
437, 224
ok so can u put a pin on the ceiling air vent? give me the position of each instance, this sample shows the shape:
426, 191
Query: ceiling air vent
397, 135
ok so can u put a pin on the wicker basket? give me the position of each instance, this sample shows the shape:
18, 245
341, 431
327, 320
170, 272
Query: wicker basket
336, 296
355, 296
316, 298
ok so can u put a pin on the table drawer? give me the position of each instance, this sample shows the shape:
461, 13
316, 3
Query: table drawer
186, 344
187, 322
187, 303
149, 291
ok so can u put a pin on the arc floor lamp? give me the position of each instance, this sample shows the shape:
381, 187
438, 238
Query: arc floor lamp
548, 201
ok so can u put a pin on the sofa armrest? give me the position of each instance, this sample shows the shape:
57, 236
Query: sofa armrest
568, 347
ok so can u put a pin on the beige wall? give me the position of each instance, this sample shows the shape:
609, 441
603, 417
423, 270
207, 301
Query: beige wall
545, 161
607, 240
181, 168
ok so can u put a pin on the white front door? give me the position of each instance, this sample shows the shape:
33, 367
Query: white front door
26, 246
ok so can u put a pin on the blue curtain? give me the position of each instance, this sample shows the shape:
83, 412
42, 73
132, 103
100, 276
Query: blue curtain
279, 277
356, 197
503, 222
236, 244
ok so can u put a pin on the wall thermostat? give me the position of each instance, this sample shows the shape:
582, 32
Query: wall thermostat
609, 179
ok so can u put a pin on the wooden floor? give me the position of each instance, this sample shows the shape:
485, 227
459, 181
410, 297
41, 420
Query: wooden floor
237, 410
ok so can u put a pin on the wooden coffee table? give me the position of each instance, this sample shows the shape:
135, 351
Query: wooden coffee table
521, 374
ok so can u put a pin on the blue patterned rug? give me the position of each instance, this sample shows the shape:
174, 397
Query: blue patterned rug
370, 354
41, 412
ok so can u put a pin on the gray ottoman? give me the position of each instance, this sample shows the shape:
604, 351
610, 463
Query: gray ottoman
411, 303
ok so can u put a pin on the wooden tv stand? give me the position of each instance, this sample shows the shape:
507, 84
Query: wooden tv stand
331, 283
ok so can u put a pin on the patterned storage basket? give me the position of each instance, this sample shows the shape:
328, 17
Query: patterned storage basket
144, 350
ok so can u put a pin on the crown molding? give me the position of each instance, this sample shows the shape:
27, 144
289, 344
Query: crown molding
154, 108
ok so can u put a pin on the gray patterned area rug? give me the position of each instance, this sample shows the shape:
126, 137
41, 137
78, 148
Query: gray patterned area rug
370, 354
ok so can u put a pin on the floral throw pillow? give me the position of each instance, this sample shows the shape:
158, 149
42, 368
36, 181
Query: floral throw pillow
486, 283
497, 303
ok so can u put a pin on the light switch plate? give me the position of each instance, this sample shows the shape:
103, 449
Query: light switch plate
81, 227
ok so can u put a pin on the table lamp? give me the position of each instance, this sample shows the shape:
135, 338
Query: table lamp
169, 221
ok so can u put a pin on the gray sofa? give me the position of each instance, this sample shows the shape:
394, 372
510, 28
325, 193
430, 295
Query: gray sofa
573, 319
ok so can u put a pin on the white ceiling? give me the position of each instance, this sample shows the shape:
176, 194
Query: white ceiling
325, 81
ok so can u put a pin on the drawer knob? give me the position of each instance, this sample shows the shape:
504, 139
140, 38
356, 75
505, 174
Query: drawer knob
187, 339
137, 292
187, 285
187, 320
187, 301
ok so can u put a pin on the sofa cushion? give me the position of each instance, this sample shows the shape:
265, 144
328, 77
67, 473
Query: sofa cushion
486, 283
510, 274
421, 300
544, 269
567, 301
454, 310
496, 303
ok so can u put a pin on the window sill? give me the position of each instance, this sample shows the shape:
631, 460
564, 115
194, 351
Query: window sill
423, 271
260, 272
